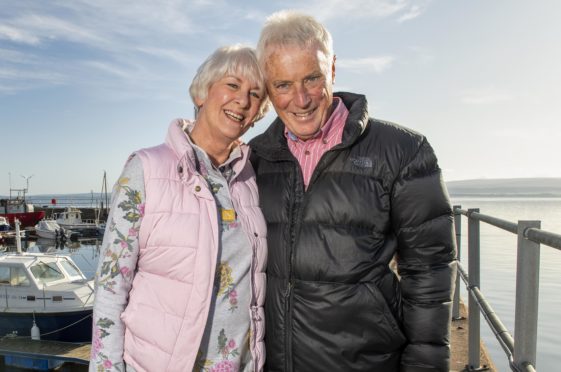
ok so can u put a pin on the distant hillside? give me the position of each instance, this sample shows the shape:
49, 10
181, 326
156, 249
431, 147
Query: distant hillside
536, 187
545, 187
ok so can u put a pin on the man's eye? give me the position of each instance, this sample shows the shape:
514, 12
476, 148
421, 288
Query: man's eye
314, 80
282, 86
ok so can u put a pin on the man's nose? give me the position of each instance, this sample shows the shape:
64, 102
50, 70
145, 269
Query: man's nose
302, 96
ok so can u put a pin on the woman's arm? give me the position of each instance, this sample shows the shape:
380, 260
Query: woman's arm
116, 268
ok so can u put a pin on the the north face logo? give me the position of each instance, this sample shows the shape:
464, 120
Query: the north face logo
361, 162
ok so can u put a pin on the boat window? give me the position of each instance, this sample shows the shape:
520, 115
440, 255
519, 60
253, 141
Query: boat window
46, 272
4, 275
14, 276
70, 268
18, 276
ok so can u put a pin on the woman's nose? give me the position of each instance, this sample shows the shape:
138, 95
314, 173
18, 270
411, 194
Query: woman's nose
243, 99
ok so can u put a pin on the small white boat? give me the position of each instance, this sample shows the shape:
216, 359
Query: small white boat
50, 229
49, 290
71, 219
4, 225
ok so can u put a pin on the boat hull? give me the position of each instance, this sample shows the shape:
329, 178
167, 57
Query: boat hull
27, 219
72, 326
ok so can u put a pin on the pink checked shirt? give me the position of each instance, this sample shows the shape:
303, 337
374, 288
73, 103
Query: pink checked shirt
310, 152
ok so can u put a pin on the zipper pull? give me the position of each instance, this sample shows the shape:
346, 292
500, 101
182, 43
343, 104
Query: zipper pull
288, 289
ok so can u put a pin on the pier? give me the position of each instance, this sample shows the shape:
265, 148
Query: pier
79, 354
63, 351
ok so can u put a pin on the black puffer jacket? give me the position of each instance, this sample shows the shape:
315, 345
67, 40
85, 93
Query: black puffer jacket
333, 304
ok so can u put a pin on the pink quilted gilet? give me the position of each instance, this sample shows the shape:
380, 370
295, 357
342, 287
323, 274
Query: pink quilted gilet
171, 292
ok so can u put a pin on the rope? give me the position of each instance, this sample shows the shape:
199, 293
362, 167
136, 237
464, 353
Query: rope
48, 333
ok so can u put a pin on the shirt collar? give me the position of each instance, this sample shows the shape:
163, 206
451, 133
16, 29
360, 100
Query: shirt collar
338, 110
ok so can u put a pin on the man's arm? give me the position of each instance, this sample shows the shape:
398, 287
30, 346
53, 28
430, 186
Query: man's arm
423, 222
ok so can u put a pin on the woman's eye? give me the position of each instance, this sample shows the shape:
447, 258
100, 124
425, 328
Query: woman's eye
232, 85
255, 94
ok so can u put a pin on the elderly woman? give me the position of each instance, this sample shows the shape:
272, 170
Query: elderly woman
180, 282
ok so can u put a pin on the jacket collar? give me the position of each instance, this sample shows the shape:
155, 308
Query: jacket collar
272, 145
176, 140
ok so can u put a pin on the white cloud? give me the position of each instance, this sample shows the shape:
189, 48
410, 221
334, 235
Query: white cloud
14, 80
485, 96
371, 9
337, 9
15, 74
182, 58
14, 56
17, 35
375, 64
413, 12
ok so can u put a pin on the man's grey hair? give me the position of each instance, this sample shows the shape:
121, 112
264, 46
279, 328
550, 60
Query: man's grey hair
288, 28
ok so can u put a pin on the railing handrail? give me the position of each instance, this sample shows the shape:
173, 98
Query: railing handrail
540, 236
521, 351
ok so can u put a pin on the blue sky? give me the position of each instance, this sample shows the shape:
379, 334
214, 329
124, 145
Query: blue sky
85, 83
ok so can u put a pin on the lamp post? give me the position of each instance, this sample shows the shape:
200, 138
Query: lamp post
26, 183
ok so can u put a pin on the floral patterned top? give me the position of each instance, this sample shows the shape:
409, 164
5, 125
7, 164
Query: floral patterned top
225, 343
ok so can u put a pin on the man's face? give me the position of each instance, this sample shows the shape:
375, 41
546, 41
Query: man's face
300, 86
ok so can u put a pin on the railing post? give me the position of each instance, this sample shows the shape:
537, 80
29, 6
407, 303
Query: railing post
458, 229
474, 336
527, 294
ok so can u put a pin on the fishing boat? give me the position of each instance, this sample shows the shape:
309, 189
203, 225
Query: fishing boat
71, 219
47, 291
17, 208
50, 229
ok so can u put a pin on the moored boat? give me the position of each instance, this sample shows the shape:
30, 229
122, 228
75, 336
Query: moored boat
71, 219
48, 289
17, 208
50, 229
4, 225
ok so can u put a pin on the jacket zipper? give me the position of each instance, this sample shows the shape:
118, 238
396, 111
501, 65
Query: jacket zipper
296, 215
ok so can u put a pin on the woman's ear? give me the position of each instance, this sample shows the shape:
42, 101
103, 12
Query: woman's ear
333, 69
199, 102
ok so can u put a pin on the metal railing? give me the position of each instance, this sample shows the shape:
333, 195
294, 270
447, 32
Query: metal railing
520, 350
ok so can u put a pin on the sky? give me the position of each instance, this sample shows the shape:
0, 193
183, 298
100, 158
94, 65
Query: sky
85, 83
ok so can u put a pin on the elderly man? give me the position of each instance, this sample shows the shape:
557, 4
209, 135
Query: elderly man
343, 194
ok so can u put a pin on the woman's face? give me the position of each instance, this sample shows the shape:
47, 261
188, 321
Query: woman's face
230, 107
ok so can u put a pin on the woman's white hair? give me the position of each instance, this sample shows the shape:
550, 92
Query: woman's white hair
289, 27
234, 60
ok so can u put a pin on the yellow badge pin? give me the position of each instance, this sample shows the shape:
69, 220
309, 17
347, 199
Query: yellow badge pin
228, 215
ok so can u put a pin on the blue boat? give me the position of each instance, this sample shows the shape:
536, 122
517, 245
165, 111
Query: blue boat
4, 225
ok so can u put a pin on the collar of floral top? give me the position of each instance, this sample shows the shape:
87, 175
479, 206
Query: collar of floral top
202, 159
179, 142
